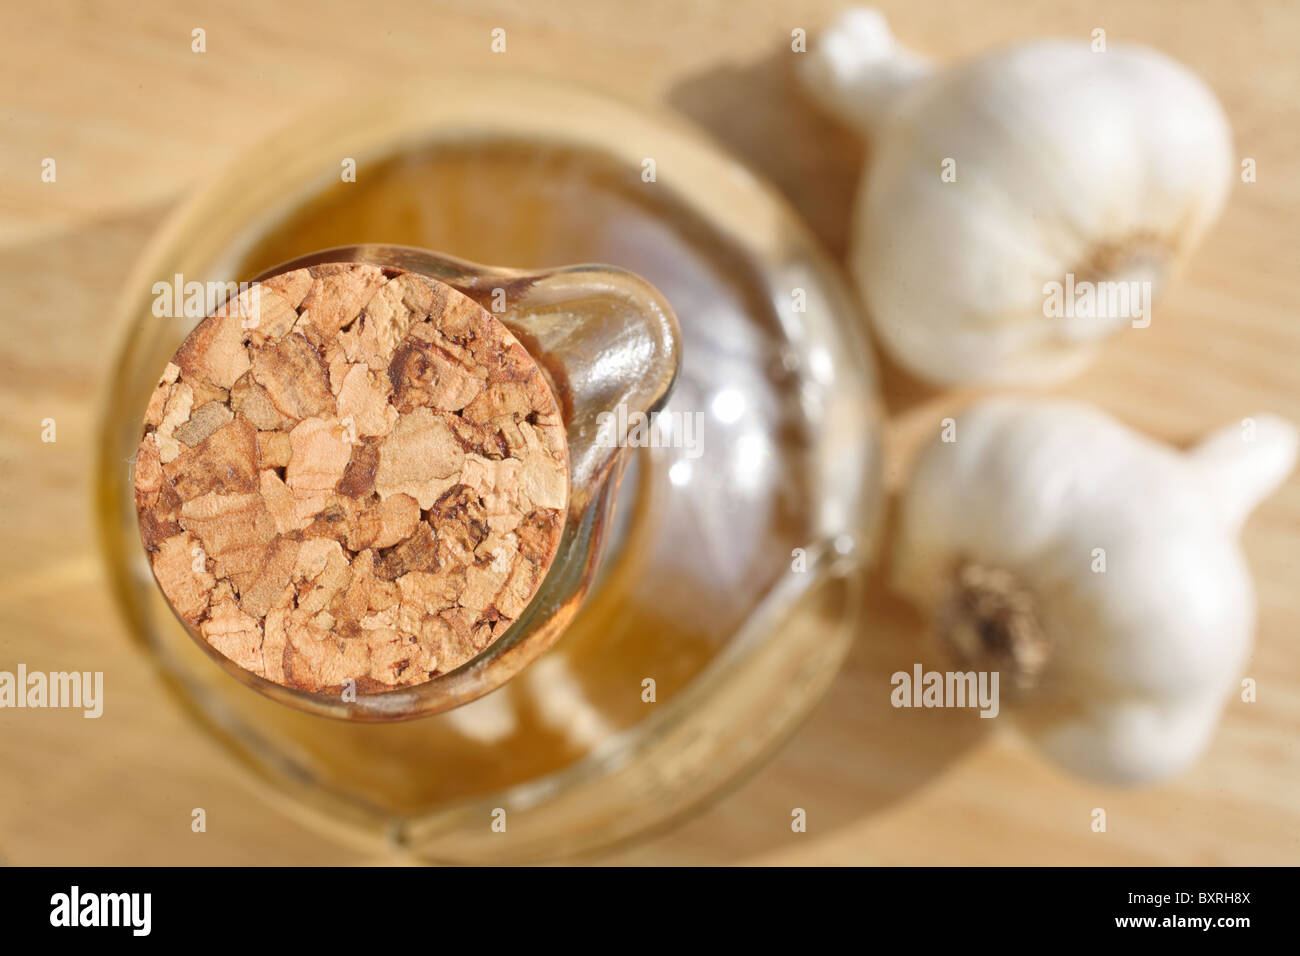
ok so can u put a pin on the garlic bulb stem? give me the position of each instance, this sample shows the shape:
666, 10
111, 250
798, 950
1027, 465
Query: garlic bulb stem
1244, 463
861, 69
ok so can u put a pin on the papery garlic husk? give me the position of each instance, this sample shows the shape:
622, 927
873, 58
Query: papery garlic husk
1094, 568
1103, 166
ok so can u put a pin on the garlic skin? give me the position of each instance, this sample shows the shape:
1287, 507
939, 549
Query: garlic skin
1131, 665
1106, 166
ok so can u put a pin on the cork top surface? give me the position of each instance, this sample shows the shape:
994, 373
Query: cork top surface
351, 473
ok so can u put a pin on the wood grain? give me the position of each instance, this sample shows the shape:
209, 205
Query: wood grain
133, 117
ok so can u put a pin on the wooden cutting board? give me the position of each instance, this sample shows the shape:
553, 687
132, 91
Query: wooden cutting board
133, 117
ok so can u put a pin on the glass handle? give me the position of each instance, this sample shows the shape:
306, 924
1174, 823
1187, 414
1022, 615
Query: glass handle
611, 346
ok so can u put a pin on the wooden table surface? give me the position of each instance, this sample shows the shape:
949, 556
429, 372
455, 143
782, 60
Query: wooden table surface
133, 118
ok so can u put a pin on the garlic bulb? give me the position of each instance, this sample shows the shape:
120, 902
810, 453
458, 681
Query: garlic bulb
1021, 207
1097, 570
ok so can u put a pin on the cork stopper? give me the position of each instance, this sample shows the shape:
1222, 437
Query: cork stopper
351, 473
